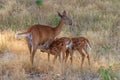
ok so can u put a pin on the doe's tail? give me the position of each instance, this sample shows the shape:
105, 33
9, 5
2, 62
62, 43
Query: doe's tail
24, 34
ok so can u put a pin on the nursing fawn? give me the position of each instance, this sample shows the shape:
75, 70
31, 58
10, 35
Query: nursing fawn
58, 48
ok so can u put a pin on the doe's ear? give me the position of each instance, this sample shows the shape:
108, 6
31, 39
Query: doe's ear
64, 12
59, 14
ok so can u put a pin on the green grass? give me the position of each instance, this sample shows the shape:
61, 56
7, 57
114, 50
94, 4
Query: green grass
38, 2
106, 74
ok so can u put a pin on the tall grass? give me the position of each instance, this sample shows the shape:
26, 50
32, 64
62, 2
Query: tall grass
97, 20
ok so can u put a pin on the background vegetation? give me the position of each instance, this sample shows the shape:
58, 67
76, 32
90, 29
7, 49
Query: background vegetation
98, 20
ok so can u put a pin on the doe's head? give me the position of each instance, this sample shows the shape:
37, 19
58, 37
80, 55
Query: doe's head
65, 18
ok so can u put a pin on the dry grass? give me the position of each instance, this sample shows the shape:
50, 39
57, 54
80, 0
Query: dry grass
15, 62
98, 20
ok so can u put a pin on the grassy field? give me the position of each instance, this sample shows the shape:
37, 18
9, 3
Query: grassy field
97, 20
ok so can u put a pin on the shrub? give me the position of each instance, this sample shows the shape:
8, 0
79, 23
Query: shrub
38, 2
55, 20
106, 74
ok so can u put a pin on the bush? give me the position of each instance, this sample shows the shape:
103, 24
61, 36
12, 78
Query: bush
106, 74
38, 2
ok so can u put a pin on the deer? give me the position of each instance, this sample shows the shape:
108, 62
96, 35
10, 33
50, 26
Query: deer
81, 44
58, 48
43, 34
67, 46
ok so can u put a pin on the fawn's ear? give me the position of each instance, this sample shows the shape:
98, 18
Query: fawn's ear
64, 12
59, 14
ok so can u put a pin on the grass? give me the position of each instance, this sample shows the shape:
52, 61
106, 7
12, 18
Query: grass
15, 62
106, 74
97, 20
38, 2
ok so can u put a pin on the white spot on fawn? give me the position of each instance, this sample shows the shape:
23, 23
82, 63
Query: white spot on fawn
69, 45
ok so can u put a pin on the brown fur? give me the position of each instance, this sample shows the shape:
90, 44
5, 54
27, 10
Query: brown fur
59, 45
58, 48
79, 44
42, 33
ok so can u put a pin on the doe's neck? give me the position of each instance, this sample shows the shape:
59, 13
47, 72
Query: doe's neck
58, 28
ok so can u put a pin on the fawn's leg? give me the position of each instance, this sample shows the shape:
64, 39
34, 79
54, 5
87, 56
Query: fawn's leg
88, 57
83, 56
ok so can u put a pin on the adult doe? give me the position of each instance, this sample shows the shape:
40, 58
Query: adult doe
42, 34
